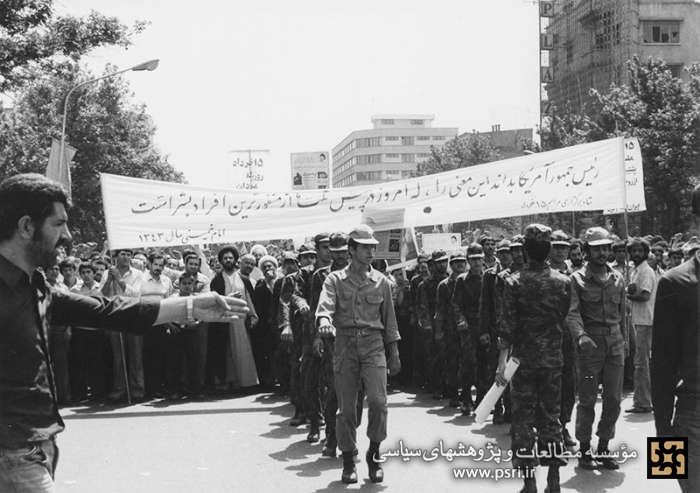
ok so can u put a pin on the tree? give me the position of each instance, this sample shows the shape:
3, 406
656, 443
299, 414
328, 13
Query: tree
112, 135
32, 38
459, 152
663, 112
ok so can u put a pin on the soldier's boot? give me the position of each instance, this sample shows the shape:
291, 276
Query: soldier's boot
529, 483
568, 439
298, 419
553, 485
314, 433
329, 447
349, 475
604, 456
586, 461
376, 473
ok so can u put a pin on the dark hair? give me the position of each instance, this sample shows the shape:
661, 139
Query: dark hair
636, 241
352, 243
187, 275
85, 266
537, 250
228, 249
29, 194
188, 256
575, 243
100, 261
155, 256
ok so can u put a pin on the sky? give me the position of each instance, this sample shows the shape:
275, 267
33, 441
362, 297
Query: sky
300, 76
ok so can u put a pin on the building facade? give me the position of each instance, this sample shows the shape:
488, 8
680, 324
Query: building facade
390, 150
508, 142
592, 39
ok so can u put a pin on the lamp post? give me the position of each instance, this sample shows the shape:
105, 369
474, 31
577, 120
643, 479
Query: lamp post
149, 65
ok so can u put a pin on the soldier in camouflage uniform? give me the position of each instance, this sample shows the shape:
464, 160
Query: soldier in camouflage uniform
535, 304
446, 338
557, 261
465, 304
425, 340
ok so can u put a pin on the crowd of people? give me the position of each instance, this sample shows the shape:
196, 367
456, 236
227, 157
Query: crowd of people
577, 314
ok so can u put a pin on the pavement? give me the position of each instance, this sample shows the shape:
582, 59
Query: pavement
245, 443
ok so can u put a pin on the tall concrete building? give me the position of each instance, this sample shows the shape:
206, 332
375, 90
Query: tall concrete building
590, 41
390, 150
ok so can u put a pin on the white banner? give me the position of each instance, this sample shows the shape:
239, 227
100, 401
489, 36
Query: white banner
441, 241
141, 213
634, 179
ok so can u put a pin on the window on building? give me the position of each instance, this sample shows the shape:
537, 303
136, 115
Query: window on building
408, 158
392, 138
391, 156
416, 122
661, 32
406, 174
675, 68
438, 137
407, 141
387, 121
423, 137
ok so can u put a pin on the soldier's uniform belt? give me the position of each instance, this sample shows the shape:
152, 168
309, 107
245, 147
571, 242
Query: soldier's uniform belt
603, 330
354, 331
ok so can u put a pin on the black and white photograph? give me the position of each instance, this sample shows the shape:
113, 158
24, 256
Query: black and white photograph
324, 246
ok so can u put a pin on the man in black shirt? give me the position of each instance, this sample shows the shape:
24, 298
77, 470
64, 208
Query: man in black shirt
675, 359
33, 224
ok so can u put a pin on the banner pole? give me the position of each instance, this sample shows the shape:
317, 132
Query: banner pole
624, 186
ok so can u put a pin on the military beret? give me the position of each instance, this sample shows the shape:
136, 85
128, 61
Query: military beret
538, 232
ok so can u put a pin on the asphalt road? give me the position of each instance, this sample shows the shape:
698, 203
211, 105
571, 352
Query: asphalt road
246, 444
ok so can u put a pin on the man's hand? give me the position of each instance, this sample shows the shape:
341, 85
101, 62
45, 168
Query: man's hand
318, 347
394, 363
303, 309
286, 335
325, 329
485, 339
212, 307
585, 342
500, 374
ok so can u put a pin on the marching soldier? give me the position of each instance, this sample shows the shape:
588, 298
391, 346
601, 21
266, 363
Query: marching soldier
465, 304
557, 261
446, 338
355, 304
536, 300
425, 345
597, 308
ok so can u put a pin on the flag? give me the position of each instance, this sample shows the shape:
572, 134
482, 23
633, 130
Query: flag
58, 169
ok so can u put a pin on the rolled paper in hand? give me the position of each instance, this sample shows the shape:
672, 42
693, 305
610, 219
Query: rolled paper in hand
489, 401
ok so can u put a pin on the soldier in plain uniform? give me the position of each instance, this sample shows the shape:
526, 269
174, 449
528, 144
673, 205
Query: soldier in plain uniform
447, 340
595, 320
536, 300
355, 306
487, 318
425, 344
557, 261
465, 303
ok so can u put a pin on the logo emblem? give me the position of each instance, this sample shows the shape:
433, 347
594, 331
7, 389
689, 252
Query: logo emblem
667, 458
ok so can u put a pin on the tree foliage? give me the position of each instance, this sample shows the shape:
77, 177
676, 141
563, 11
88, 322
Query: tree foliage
459, 152
663, 112
32, 37
112, 134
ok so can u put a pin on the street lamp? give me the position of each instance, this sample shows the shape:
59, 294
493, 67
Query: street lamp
149, 65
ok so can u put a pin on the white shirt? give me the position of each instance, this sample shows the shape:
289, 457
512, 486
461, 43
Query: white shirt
155, 289
644, 277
